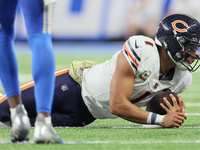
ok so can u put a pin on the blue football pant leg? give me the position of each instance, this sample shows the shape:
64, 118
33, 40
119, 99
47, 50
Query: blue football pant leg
8, 61
43, 67
38, 18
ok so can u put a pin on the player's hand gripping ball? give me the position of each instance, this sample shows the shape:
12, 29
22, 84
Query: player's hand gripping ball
154, 103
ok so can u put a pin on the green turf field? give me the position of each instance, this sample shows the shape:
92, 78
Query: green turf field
115, 134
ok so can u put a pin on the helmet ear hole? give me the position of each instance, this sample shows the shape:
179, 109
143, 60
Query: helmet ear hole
178, 56
181, 40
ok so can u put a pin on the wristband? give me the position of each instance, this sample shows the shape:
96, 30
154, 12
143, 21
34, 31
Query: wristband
154, 118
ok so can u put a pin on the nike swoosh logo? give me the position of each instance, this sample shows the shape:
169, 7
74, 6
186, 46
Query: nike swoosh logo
136, 46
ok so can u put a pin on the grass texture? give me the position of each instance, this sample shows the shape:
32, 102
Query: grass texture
114, 134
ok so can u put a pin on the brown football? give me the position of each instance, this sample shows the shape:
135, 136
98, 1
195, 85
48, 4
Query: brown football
154, 104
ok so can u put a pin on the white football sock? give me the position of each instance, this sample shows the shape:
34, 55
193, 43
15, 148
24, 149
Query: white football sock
13, 111
48, 120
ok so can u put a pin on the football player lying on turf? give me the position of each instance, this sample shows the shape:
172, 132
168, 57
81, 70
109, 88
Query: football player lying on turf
120, 86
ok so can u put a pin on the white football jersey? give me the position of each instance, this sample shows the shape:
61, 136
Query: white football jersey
142, 55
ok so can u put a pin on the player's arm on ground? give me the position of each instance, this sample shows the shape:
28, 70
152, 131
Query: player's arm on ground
121, 88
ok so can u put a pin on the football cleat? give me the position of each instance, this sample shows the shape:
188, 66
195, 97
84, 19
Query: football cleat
45, 133
20, 130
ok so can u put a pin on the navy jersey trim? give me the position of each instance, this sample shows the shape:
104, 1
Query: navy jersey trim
136, 100
133, 65
134, 53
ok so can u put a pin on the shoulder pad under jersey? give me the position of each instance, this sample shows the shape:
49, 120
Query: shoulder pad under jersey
138, 48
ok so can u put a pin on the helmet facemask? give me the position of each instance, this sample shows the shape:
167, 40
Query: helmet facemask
187, 58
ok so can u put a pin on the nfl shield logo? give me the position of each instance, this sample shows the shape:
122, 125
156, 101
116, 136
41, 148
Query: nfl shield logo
64, 87
155, 86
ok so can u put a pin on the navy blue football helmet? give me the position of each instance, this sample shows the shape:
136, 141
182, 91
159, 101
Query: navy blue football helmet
179, 34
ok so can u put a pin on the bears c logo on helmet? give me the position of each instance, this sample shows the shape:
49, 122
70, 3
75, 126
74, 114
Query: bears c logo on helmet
174, 25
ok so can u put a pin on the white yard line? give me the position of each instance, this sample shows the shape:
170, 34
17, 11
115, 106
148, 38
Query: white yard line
192, 114
116, 142
192, 104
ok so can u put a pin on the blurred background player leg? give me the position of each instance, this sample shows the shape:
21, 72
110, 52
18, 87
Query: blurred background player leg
38, 19
9, 72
